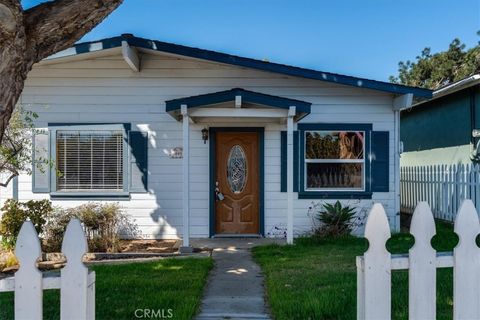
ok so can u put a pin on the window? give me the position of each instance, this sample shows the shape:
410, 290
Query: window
338, 161
92, 161
89, 160
335, 160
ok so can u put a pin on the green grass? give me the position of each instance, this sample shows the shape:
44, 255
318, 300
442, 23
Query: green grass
175, 284
316, 279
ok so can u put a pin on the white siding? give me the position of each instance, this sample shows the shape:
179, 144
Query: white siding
105, 89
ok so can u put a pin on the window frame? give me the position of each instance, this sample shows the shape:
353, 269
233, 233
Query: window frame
330, 193
53, 128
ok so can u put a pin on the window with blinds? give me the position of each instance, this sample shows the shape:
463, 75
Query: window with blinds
90, 160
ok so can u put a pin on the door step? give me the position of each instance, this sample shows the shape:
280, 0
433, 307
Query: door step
237, 235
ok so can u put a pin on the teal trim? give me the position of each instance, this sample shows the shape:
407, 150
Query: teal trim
138, 170
92, 194
261, 166
283, 160
335, 195
302, 108
90, 126
341, 194
15, 188
296, 160
379, 157
211, 186
37, 171
86, 195
197, 53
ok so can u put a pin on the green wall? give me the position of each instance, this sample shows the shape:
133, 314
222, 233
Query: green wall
440, 123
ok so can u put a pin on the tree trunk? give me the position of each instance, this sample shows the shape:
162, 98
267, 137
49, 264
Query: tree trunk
28, 36
12, 59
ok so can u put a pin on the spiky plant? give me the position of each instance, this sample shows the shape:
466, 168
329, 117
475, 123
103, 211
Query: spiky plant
336, 220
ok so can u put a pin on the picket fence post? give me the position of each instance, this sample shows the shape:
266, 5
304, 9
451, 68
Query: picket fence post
466, 284
422, 268
74, 283
28, 279
377, 266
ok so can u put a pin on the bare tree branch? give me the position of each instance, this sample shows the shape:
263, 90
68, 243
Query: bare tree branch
54, 26
4, 184
27, 37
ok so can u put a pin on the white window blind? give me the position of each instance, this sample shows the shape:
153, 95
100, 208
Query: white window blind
90, 160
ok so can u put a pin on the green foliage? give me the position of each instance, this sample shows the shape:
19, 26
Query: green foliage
14, 213
335, 219
316, 278
102, 224
433, 71
121, 289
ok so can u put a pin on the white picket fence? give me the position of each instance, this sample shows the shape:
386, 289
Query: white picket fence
374, 268
442, 186
76, 283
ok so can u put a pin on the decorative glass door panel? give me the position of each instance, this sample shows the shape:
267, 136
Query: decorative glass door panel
237, 189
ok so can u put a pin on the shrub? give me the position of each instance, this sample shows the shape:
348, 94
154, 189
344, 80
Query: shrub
335, 220
102, 224
14, 213
54, 230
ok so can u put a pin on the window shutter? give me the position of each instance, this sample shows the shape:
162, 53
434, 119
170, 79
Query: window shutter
379, 161
283, 161
138, 171
41, 170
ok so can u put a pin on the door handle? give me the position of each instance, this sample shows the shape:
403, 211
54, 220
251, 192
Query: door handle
218, 195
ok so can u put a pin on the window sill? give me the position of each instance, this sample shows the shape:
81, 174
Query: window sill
334, 195
90, 196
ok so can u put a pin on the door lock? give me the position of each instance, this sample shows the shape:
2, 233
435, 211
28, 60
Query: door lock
218, 195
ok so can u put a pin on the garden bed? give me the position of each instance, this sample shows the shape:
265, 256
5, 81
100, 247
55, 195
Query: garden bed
134, 250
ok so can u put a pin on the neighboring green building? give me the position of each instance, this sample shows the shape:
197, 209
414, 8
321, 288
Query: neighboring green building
440, 130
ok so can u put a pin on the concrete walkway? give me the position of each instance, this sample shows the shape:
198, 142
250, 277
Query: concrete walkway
235, 286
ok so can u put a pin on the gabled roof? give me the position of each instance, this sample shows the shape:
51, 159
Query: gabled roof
302, 108
214, 56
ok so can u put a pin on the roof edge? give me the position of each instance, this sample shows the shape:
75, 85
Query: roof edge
219, 57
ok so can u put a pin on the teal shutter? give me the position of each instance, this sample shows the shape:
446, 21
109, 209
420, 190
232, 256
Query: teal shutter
379, 161
283, 161
41, 165
138, 161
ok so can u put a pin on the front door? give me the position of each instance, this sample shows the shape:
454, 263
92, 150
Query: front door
236, 183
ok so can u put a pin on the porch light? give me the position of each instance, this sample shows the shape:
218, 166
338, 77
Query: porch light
205, 135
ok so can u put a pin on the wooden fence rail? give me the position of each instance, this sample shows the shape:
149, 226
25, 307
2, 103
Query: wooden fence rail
444, 187
76, 283
375, 266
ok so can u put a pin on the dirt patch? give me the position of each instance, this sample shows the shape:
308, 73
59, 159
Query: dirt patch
148, 246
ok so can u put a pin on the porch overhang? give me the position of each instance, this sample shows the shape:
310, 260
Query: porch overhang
237, 104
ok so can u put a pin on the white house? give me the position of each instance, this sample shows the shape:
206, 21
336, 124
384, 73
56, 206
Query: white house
196, 143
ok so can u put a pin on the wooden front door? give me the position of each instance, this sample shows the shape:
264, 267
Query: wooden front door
236, 183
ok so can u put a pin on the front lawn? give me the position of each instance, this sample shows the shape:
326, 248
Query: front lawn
317, 279
175, 284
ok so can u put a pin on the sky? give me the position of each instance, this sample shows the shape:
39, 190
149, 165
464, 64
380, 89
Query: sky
360, 38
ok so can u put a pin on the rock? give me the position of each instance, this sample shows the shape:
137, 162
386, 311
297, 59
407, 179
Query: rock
55, 256
11, 269
50, 265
